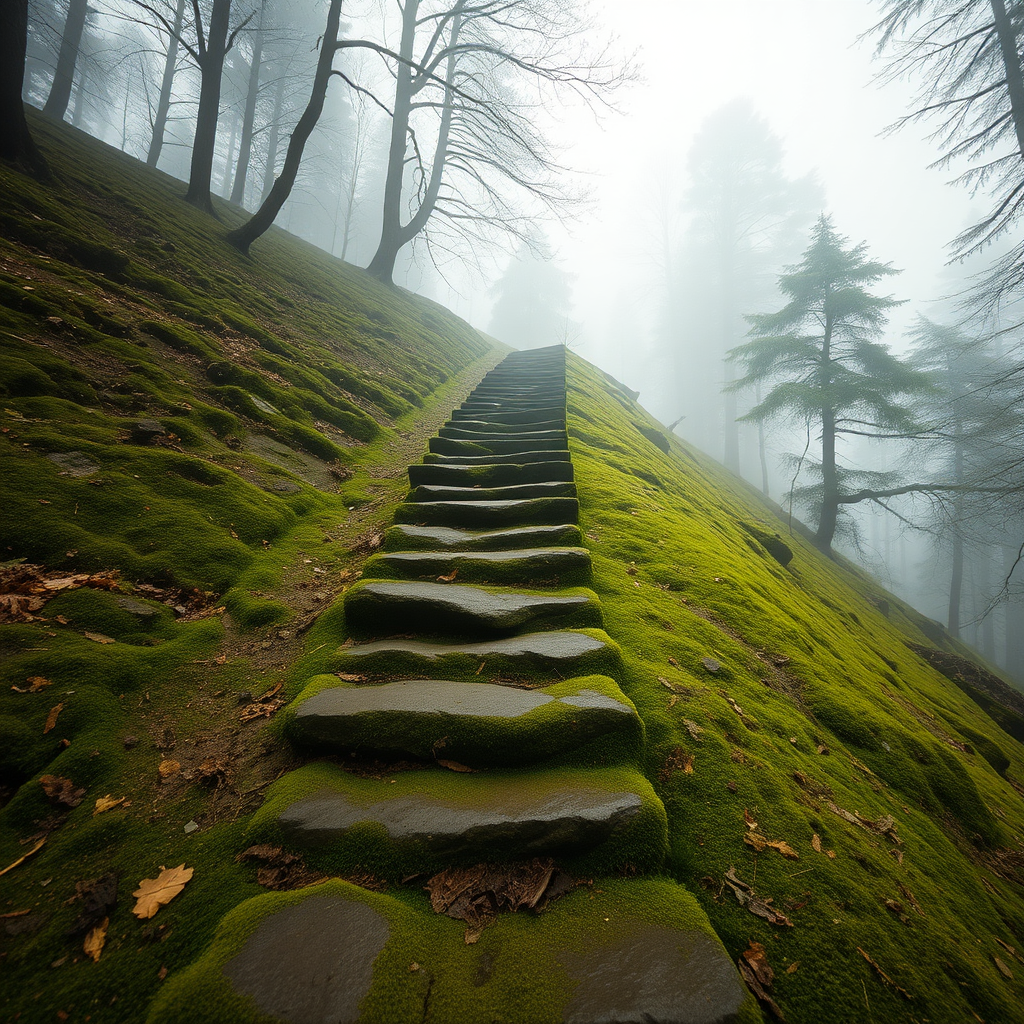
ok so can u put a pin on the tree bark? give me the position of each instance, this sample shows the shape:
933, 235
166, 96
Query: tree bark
244, 236
163, 105
16, 142
211, 64
63, 78
275, 132
829, 479
249, 117
1011, 65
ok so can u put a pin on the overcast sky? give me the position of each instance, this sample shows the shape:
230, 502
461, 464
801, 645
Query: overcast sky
800, 63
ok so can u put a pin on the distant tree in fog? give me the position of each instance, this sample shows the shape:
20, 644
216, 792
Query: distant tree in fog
822, 365
533, 301
64, 73
744, 220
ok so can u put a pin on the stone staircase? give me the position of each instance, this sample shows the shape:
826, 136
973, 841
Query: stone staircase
475, 654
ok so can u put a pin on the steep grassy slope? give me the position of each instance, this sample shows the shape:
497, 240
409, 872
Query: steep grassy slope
781, 704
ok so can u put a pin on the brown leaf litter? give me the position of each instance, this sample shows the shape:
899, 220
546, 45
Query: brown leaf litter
279, 870
883, 826
153, 893
61, 792
761, 906
758, 975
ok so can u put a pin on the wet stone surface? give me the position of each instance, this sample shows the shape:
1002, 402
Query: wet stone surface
654, 975
311, 963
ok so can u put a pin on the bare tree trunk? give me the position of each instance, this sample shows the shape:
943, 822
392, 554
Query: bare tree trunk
829, 478
1011, 65
229, 160
163, 105
211, 66
272, 143
64, 75
79, 111
245, 235
249, 117
16, 142
761, 448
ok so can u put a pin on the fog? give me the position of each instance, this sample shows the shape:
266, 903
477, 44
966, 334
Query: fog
623, 275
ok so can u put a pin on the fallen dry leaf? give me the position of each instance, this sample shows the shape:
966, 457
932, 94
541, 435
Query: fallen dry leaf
1003, 969
95, 940
261, 709
449, 577
759, 843
792, 968
99, 897
755, 904
107, 803
758, 975
51, 718
279, 870
24, 857
61, 791
153, 893
455, 766
168, 768
99, 638
35, 684
748, 818
816, 843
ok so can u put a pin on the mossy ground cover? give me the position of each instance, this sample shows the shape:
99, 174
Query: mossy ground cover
125, 323
775, 692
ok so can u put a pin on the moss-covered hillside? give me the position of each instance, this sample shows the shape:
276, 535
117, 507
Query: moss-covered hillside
783, 705
198, 453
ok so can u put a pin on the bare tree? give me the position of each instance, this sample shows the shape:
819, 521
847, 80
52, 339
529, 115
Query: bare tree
163, 105
16, 142
64, 74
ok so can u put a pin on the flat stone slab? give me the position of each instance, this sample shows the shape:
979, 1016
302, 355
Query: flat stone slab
297, 979
563, 652
490, 459
476, 724
569, 566
489, 514
441, 492
477, 816
552, 412
387, 608
405, 537
455, 475
459, 446
654, 975
488, 426
473, 434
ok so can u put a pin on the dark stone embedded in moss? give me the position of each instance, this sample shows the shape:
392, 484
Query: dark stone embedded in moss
489, 514
656, 437
520, 821
311, 982
456, 446
656, 975
567, 566
148, 431
428, 538
73, 463
530, 416
440, 492
521, 435
387, 608
771, 542
490, 459
484, 425
137, 608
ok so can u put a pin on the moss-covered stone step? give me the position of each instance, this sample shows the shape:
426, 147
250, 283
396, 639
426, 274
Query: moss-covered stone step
441, 492
536, 657
425, 820
501, 475
481, 725
489, 514
489, 406
512, 398
568, 566
490, 459
519, 436
379, 608
496, 446
404, 537
554, 412
620, 950
479, 426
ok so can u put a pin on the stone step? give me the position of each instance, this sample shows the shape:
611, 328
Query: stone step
436, 539
524, 657
514, 458
480, 725
439, 492
485, 406
489, 514
561, 567
483, 426
465, 475
424, 820
514, 396
537, 415
518, 436
455, 446
381, 608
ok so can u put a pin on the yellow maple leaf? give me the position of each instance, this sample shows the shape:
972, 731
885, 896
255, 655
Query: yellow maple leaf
153, 893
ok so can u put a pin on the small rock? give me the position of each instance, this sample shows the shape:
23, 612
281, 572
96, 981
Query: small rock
282, 486
73, 463
245, 697
137, 608
147, 431
710, 664
191, 827
130, 742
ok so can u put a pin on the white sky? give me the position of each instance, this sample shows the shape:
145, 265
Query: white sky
800, 64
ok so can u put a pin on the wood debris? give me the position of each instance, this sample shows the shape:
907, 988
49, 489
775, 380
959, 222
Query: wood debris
24, 857
885, 977
758, 975
883, 826
755, 904
759, 843
25, 588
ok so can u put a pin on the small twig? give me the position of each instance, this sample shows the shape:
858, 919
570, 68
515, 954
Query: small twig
25, 857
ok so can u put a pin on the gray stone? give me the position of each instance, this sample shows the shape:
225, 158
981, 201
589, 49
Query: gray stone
490, 459
137, 608
440, 492
510, 474
264, 406
563, 652
148, 431
565, 566
530, 416
488, 426
654, 975
282, 485
484, 514
472, 434
404, 536
311, 963
428, 717
74, 463
525, 821
383, 608
455, 446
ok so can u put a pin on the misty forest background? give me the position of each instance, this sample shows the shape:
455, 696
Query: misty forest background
745, 274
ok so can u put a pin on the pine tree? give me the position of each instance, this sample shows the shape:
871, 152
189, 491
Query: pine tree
820, 359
